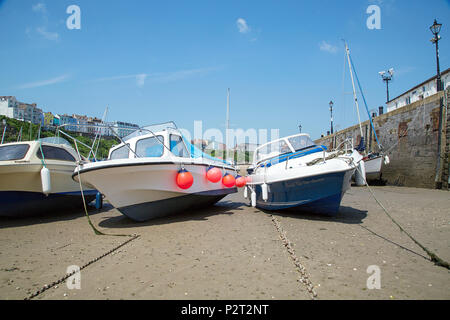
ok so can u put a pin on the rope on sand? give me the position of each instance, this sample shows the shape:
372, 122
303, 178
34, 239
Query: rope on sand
434, 258
304, 277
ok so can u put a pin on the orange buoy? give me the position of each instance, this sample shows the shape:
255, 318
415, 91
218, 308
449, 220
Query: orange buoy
240, 181
213, 174
184, 179
228, 180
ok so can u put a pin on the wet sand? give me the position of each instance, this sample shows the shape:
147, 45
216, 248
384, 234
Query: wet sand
233, 251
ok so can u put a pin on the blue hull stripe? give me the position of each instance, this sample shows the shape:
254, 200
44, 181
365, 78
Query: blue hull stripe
317, 194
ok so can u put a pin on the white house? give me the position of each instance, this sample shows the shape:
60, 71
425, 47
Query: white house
419, 92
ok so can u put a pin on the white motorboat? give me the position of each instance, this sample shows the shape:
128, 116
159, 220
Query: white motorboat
141, 176
294, 173
33, 184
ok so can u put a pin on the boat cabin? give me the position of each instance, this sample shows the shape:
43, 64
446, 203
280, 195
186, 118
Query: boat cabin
145, 144
292, 146
53, 149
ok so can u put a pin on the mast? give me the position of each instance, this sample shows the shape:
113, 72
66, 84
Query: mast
228, 109
354, 91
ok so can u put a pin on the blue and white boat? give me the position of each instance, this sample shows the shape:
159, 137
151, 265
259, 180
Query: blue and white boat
294, 173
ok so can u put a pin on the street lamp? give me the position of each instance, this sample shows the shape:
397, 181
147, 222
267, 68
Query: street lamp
387, 76
331, 113
435, 29
300, 128
4, 129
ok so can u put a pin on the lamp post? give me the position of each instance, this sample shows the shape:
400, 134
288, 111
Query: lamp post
435, 29
331, 113
300, 128
387, 76
4, 130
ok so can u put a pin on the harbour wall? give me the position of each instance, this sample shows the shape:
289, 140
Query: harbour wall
410, 137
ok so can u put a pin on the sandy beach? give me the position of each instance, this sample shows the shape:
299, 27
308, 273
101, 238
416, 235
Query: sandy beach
234, 251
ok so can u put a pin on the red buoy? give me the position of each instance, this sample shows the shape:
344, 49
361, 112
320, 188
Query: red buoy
228, 180
240, 181
184, 179
214, 174
248, 179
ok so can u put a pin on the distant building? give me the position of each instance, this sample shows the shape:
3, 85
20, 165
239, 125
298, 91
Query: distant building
68, 122
10, 107
48, 119
419, 92
30, 113
123, 129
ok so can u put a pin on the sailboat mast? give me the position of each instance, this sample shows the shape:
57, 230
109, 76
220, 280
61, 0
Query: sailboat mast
353, 85
228, 109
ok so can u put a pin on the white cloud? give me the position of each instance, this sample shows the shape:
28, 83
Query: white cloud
40, 7
140, 79
44, 82
242, 25
47, 34
162, 77
325, 46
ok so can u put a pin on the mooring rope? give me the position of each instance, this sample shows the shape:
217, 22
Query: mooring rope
434, 258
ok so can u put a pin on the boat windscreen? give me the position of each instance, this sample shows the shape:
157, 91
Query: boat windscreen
271, 150
197, 153
55, 140
149, 129
301, 142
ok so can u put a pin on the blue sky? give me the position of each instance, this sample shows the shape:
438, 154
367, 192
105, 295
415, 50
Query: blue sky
154, 61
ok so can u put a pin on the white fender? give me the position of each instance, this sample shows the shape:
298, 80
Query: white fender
360, 174
386, 160
253, 196
265, 192
46, 182
246, 192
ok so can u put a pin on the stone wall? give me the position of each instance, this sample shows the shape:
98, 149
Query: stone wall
409, 136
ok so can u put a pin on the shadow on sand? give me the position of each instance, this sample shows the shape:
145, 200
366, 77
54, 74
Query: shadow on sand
222, 207
346, 215
48, 217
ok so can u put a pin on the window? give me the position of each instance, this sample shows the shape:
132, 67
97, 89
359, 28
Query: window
177, 146
13, 152
301, 142
120, 153
272, 150
150, 147
55, 153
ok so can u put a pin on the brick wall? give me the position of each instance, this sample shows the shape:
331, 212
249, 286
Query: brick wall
409, 135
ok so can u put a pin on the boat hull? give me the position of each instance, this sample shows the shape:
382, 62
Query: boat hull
373, 168
21, 189
26, 203
144, 190
320, 194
